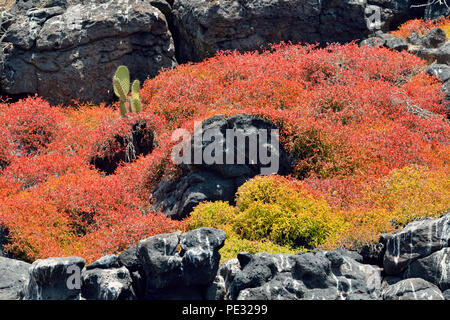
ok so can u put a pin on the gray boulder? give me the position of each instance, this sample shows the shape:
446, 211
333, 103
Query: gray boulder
217, 180
434, 268
441, 71
434, 39
130, 260
442, 54
177, 198
13, 276
439, 55
200, 251
387, 40
106, 262
55, 279
372, 253
389, 281
221, 285
107, 284
70, 49
412, 289
307, 276
396, 43
417, 240
180, 266
161, 260
414, 38
373, 42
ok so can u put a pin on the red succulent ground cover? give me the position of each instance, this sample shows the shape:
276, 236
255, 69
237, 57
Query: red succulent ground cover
422, 27
344, 112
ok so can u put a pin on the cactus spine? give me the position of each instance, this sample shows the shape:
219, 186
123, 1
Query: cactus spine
121, 82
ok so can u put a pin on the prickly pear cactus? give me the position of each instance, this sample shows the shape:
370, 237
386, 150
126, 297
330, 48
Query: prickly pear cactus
135, 99
121, 82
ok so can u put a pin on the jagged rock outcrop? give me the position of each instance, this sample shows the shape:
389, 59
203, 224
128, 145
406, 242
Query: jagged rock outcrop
186, 266
417, 240
70, 49
52, 44
308, 276
107, 284
219, 180
13, 276
180, 266
441, 71
412, 289
205, 27
50, 279
446, 294
434, 268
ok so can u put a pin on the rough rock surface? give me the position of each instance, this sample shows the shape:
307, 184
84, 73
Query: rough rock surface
315, 275
130, 260
70, 49
106, 262
434, 268
373, 253
433, 47
441, 71
49, 279
180, 265
186, 267
206, 26
412, 289
221, 285
417, 240
217, 181
107, 284
434, 39
13, 276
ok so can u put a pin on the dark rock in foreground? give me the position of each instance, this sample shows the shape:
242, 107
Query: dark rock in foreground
186, 266
50, 279
434, 268
13, 276
180, 261
417, 240
412, 289
107, 284
308, 276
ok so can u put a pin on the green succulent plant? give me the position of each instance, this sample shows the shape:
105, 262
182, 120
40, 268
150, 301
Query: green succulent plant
121, 82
